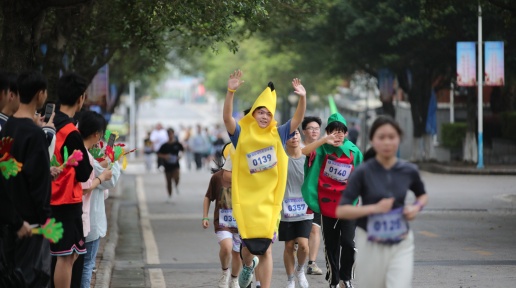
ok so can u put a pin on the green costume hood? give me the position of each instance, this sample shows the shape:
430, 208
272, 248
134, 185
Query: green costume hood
313, 166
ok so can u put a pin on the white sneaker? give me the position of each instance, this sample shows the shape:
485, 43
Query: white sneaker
223, 281
233, 283
301, 278
291, 284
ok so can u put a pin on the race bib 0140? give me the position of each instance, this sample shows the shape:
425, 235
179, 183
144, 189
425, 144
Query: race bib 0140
226, 218
262, 159
389, 228
337, 171
294, 207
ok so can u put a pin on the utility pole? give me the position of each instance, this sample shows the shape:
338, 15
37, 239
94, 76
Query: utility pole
480, 85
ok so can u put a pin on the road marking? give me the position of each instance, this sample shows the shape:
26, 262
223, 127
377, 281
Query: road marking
477, 251
151, 248
173, 216
428, 234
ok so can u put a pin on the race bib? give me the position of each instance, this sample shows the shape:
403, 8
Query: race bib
294, 207
226, 218
337, 171
390, 227
262, 160
172, 159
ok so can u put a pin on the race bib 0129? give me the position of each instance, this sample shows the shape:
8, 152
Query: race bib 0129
337, 171
262, 159
390, 227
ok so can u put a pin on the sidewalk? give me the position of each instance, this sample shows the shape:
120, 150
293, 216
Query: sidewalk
468, 169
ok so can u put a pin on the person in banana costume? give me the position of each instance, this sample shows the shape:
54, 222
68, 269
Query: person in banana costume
259, 173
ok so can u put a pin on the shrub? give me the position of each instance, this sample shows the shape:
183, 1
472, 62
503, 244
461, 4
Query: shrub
452, 134
509, 125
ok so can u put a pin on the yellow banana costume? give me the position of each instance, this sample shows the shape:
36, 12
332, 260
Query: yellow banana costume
259, 173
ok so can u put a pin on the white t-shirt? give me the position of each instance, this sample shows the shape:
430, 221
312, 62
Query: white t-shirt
158, 138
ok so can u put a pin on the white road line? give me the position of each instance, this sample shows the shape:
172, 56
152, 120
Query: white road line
151, 248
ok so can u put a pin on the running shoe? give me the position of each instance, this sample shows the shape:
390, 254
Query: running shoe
313, 269
234, 283
301, 279
345, 284
223, 281
291, 284
246, 275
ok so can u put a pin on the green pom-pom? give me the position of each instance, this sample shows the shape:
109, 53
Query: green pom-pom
107, 134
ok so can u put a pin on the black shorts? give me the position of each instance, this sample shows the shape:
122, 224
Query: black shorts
317, 219
291, 230
73, 235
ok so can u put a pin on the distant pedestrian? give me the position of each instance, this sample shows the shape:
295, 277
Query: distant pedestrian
170, 153
385, 256
148, 150
158, 137
353, 133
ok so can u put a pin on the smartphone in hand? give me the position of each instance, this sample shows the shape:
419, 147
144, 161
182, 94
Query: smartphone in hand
49, 109
111, 140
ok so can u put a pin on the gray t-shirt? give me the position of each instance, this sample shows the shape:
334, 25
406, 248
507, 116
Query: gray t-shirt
372, 182
293, 206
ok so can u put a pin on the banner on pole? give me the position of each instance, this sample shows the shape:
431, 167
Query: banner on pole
494, 63
466, 64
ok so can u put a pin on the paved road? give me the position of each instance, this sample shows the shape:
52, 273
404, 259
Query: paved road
464, 238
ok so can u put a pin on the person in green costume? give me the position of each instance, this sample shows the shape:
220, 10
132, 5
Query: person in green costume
331, 160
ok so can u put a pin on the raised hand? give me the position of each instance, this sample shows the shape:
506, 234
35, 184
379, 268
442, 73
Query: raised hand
384, 205
299, 89
330, 139
235, 80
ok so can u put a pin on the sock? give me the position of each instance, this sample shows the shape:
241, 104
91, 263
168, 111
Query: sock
232, 276
225, 269
258, 283
290, 278
310, 262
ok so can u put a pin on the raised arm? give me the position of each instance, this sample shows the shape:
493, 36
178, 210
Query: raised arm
301, 105
328, 139
233, 83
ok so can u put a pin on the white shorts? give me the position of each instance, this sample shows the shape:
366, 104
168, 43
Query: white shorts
221, 235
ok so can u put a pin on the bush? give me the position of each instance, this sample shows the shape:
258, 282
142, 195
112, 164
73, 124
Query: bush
453, 134
509, 125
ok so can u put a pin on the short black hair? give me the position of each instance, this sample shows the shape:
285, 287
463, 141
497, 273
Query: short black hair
246, 111
310, 119
90, 123
13, 86
4, 81
70, 87
29, 84
336, 126
171, 130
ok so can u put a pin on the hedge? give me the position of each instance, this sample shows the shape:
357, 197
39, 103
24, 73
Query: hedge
452, 134
509, 125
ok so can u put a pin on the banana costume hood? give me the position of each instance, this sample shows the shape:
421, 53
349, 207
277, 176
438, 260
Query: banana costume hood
259, 173
316, 190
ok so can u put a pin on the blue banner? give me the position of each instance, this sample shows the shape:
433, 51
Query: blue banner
494, 64
466, 64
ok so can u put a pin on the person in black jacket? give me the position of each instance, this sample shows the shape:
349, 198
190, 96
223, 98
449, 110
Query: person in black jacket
30, 190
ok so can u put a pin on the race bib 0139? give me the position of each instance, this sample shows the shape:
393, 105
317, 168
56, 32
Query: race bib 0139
294, 207
226, 218
337, 171
262, 159
389, 228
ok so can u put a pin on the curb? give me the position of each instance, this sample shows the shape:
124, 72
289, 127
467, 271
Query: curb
103, 275
441, 169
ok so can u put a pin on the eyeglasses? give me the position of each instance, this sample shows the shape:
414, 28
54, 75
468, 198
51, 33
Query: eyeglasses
315, 129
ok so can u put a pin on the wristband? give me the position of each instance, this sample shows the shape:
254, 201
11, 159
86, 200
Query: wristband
100, 181
417, 203
207, 219
231, 90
